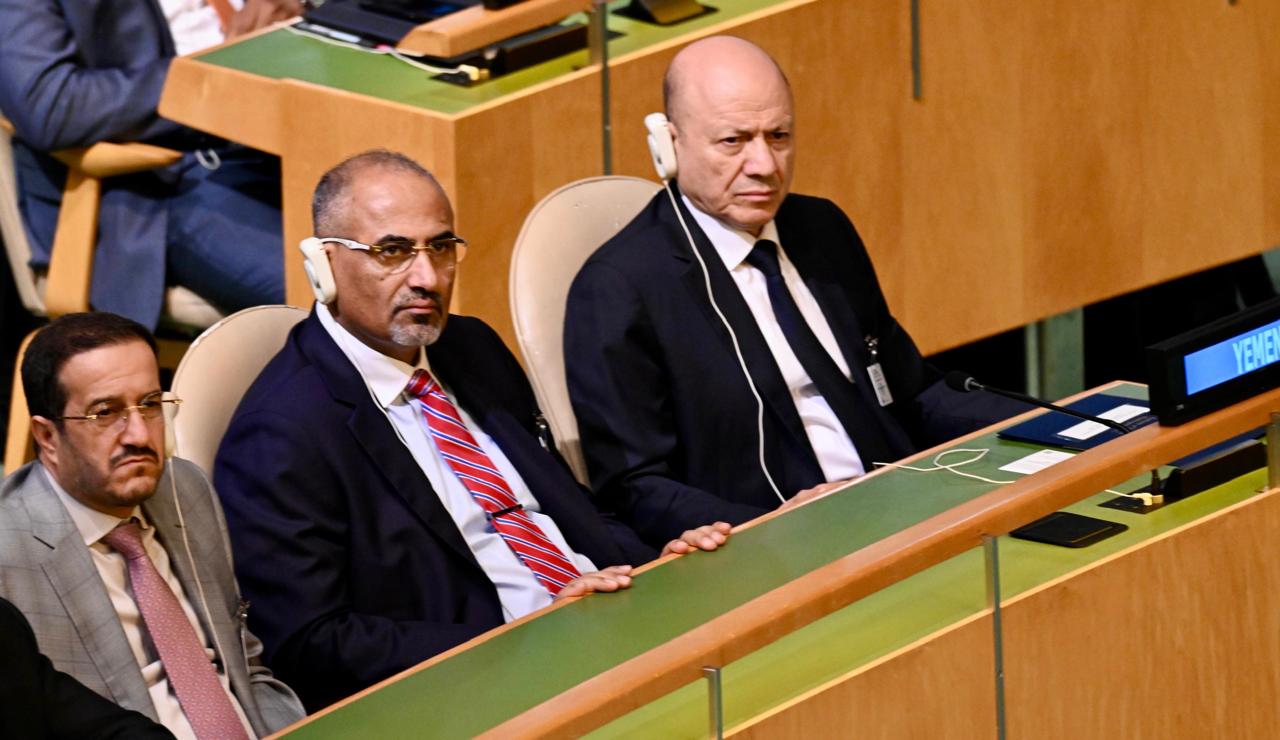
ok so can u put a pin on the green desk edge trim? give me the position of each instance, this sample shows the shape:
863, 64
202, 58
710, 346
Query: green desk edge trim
516, 670
284, 54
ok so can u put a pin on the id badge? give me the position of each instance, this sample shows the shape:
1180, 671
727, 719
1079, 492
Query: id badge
880, 385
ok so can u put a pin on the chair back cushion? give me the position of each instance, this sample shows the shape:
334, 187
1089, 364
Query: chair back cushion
217, 370
559, 235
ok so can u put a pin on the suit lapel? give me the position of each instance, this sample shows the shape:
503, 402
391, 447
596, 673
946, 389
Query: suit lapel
806, 251
373, 432
755, 351
74, 578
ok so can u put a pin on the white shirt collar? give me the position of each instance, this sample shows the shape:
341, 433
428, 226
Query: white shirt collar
92, 524
732, 245
386, 376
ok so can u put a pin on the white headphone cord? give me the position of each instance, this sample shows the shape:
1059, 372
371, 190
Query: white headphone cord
737, 349
472, 72
1148, 499
195, 572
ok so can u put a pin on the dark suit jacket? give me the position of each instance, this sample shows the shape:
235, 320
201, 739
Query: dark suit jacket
76, 72
355, 569
668, 422
37, 701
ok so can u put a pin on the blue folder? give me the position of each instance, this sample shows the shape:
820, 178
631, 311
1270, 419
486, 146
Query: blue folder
1046, 428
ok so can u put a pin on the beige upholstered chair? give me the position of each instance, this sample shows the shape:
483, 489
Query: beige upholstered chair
559, 235
64, 288
216, 371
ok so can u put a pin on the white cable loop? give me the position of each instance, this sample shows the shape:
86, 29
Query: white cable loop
1147, 499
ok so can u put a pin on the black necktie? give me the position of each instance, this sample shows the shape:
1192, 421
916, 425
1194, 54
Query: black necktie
849, 406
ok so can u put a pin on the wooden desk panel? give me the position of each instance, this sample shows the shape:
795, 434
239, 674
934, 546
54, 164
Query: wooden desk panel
1177, 638
941, 688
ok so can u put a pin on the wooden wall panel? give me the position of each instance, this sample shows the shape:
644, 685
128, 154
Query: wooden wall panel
1070, 150
1264, 19
515, 155
963, 186
1081, 153
1202, 136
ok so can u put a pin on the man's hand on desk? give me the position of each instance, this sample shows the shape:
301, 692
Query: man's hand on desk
613, 578
810, 494
258, 13
617, 577
707, 537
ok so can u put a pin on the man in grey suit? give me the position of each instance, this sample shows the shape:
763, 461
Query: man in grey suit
123, 567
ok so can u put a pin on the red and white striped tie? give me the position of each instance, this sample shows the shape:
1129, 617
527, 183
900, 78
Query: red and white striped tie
473, 467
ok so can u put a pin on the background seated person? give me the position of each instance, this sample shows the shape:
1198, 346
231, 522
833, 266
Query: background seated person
671, 429
387, 489
74, 74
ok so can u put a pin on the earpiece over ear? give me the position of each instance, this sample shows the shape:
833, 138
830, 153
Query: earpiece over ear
319, 271
661, 145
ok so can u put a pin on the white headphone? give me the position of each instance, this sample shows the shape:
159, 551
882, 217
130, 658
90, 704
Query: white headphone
661, 145
319, 271
663, 149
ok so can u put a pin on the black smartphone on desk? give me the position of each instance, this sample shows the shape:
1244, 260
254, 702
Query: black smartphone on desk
1068, 530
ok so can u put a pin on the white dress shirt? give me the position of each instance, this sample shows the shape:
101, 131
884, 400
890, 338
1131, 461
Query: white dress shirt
386, 377
114, 570
836, 453
194, 24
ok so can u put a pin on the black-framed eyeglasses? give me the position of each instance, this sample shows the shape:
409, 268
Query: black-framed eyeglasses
396, 256
110, 415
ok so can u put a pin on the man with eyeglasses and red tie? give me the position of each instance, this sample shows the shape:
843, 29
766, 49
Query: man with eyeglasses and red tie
120, 561
389, 486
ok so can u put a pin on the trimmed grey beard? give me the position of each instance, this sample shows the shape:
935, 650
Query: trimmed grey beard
415, 335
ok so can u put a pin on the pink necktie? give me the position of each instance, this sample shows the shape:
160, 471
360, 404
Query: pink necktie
203, 700
479, 476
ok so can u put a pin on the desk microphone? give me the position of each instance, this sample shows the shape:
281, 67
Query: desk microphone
963, 382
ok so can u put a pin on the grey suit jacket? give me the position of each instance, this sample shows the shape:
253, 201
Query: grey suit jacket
48, 573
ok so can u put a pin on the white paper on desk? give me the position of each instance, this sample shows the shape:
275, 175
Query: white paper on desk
1087, 429
1037, 461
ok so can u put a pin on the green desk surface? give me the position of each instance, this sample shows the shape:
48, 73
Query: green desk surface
285, 54
520, 668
